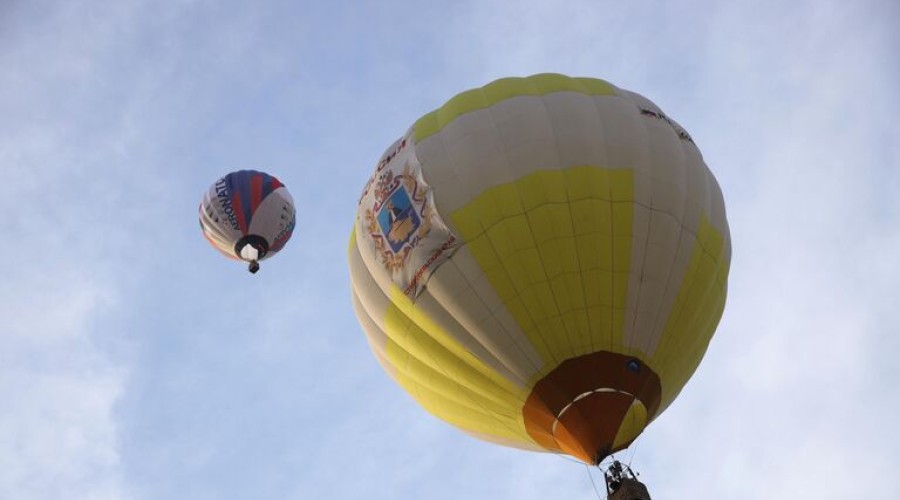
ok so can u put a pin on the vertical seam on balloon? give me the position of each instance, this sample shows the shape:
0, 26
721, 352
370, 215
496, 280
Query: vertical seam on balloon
483, 232
465, 390
659, 323
538, 333
608, 334
559, 169
610, 329
239, 211
256, 194
408, 322
211, 226
593, 196
476, 339
698, 323
512, 341
489, 242
649, 340
407, 319
240, 191
707, 209
580, 265
663, 341
644, 127
693, 324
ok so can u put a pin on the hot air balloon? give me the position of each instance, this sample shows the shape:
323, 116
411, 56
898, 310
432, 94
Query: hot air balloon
542, 262
247, 215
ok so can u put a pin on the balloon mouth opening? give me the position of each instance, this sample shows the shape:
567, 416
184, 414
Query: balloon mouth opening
592, 405
252, 248
584, 429
600, 391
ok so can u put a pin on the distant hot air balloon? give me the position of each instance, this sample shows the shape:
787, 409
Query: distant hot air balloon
542, 262
247, 215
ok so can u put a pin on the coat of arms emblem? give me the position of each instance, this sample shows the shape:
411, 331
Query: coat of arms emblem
397, 215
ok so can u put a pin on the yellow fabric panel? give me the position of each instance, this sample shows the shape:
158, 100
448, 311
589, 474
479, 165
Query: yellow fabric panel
556, 247
414, 333
441, 386
508, 201
588, 182
446, 379
501, 90
695, 314
352, 245
632, 425
507, 425
540, 188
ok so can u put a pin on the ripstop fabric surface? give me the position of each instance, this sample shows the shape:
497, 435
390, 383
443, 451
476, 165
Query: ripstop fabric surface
247, 204
579, 273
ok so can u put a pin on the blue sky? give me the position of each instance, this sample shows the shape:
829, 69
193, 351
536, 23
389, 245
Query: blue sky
136, 363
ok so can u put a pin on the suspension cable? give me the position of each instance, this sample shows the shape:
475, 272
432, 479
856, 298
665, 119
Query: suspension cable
588, 469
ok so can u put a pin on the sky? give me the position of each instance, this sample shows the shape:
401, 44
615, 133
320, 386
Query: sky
137, 363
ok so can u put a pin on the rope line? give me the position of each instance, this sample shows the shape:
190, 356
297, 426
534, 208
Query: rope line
588, 469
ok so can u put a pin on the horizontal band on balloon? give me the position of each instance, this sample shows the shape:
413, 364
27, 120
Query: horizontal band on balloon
503, 89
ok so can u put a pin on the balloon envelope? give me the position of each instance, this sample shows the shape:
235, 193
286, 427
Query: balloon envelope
542, 262
247, 215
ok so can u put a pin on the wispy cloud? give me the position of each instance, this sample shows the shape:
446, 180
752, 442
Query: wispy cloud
137, 363
61, 372
793, 389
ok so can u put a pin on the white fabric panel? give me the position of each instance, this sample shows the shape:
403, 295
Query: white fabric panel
640, 100
623, 140
453, 304
441, 170
703, 193
447, 313
372, 303
664, 230
267, 221
456, 152
686, 243
578, 129
521, 119
669, 198
527, 135
697, 175
374, 299
717, 208
641, 221
508, 331
368, 289
482, 286
475, 148
658, 261
376, 337
657, 273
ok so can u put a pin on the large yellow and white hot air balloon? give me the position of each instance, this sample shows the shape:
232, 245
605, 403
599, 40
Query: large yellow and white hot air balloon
542, 262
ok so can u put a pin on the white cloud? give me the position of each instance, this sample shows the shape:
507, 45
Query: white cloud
123, 377
793, 397
57, 432
62, 371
